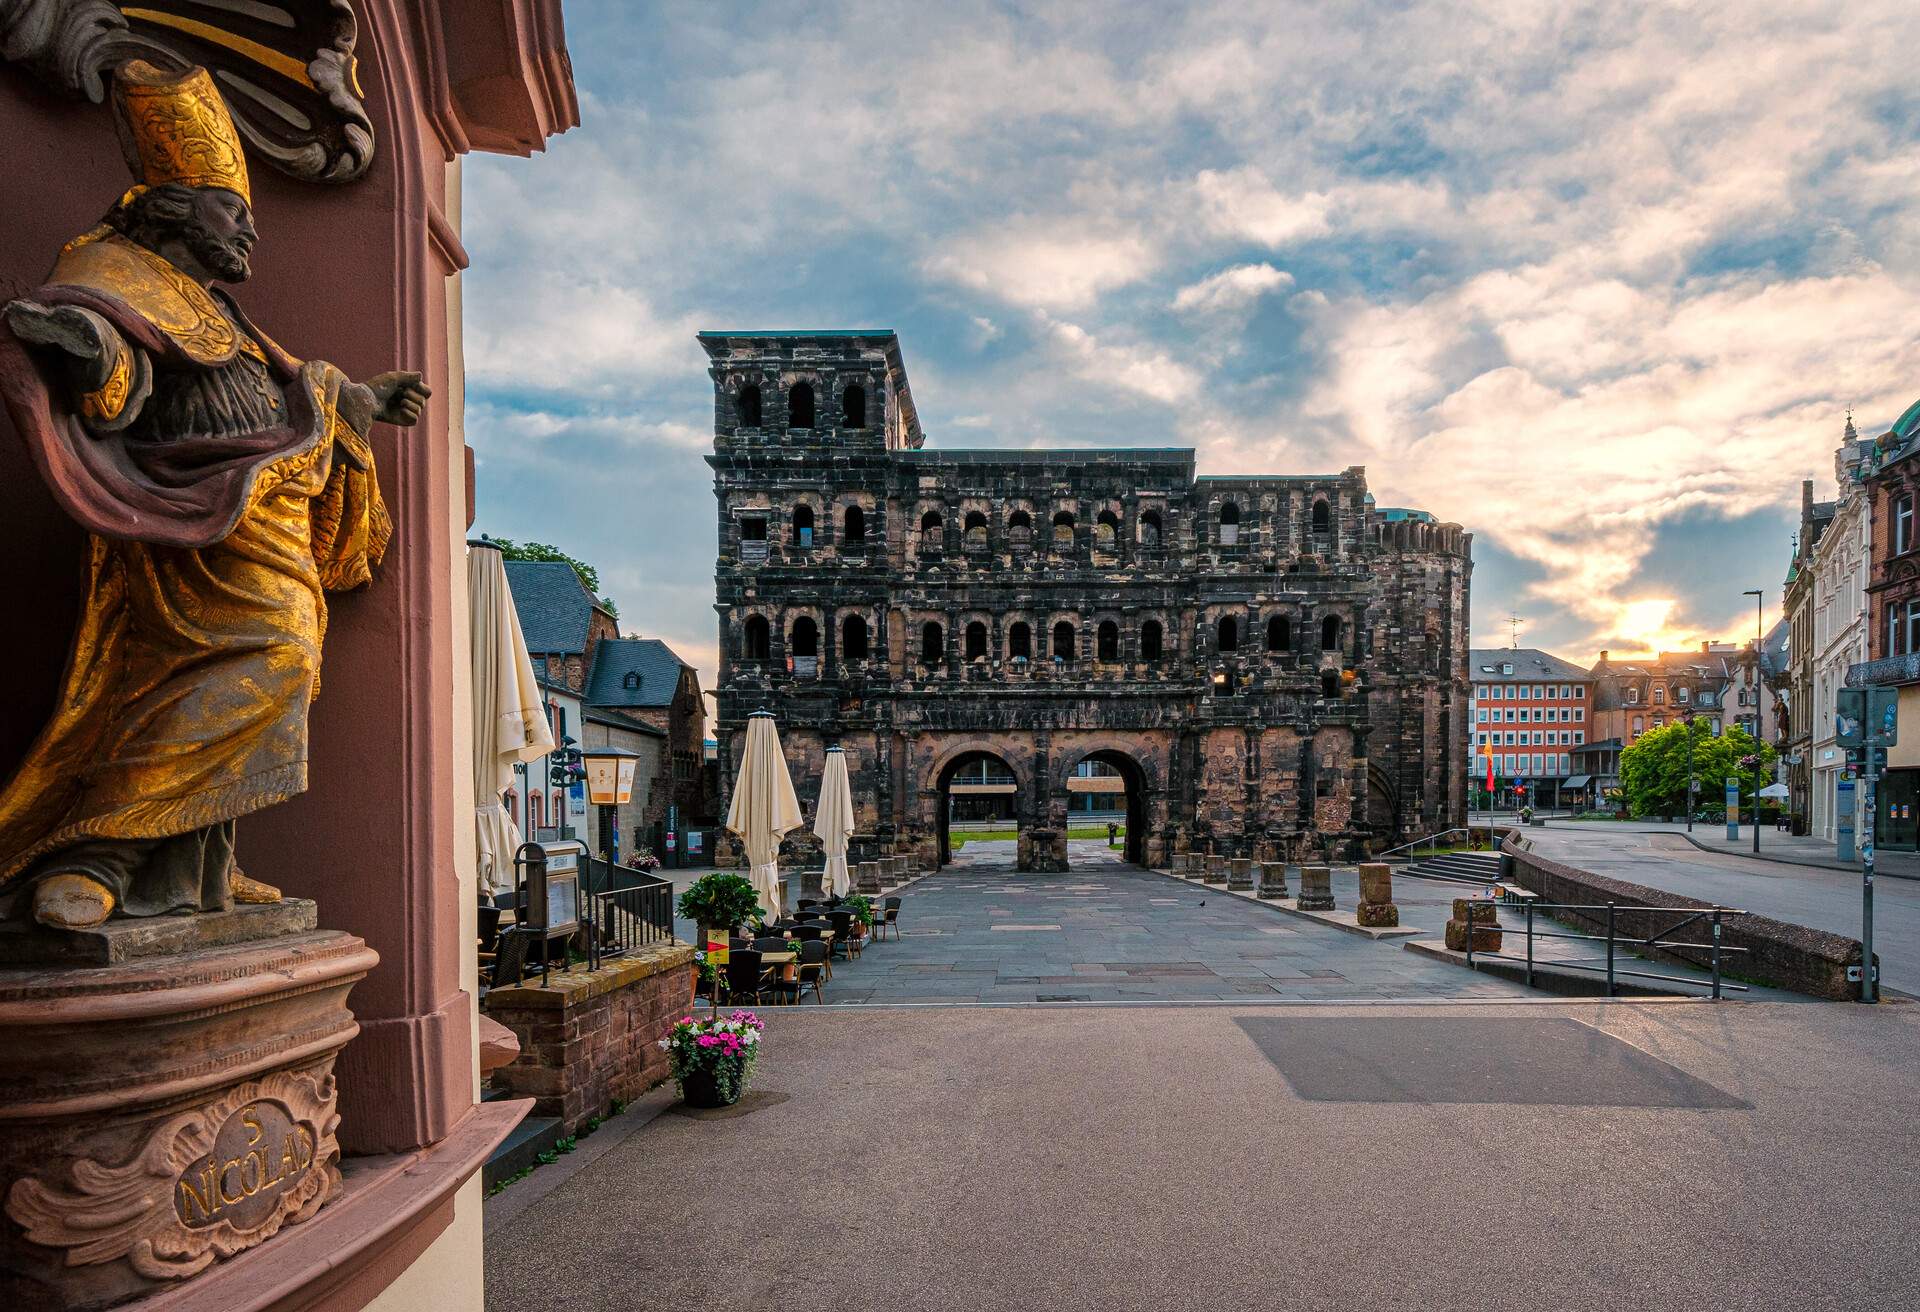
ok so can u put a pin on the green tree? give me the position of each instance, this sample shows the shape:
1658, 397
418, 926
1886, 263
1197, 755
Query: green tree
1653, 771
589, 576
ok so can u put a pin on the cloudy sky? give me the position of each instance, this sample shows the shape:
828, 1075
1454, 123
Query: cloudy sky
1599, 282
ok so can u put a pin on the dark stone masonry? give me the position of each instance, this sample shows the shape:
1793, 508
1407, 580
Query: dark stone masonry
1263, 667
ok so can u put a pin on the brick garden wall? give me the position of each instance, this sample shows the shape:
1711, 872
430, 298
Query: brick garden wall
1778, 955
589, 1037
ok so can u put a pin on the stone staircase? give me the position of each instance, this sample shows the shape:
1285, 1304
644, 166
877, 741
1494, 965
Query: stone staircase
1478, 867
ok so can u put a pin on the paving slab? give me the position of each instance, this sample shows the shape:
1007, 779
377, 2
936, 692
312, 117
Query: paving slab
971, 927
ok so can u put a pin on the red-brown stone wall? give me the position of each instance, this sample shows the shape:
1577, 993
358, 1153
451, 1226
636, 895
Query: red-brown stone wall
589, 1038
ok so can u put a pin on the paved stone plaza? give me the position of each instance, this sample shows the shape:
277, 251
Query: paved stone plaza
977, 932
1448, 1155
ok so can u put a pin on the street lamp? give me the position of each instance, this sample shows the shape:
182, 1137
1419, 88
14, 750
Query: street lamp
610, 772
1759, 621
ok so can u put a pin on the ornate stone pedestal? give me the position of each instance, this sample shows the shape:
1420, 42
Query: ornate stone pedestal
168, 1108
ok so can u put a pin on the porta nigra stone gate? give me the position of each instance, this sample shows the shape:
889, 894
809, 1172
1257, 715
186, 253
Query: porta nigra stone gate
1271, 667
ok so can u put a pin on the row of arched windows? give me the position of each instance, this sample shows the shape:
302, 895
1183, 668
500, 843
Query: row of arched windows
756, 638
1106, 528
801, 408
1320, 519
1279, 633
804, 640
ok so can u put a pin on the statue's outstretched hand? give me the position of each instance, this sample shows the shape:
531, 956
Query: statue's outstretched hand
79, 333
400, 396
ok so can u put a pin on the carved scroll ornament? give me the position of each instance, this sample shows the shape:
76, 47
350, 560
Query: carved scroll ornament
207, 1183
286, 68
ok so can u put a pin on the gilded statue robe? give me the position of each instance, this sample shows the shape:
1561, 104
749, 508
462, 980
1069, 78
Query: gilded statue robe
224, 486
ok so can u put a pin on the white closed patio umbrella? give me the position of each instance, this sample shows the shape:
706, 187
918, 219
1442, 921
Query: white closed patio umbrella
509, 721
764, 808
833, 823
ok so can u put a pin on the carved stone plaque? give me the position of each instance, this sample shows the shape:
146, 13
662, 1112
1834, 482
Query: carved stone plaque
260, 1154
205, 1184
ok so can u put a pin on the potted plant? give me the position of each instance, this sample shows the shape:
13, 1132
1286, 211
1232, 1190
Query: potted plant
643, 859
712, 1060
719, 902
862, 907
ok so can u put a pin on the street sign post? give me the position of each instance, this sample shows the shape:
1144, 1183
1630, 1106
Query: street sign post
1868, 718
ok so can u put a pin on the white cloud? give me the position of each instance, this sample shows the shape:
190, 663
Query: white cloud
1231, 289
1050, 265
1562, 273
1140, 370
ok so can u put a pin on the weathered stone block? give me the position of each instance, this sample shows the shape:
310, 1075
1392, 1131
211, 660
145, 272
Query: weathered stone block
1273, 880
1376, 882
1216, 870
1377, 915
1316, 888
1485, 938
1477, 909
1240, 875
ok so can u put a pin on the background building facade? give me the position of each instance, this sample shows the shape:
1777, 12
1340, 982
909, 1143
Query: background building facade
1271, 666
1531, 711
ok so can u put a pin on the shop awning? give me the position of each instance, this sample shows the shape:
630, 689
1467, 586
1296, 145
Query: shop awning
1576, 781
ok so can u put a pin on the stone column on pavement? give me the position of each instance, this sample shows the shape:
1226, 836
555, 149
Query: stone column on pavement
1216, 870
1240, 875
1481, 917
1316, 888
1273, 880
1376, 909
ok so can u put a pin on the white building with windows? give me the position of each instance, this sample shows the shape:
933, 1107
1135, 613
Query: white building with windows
1840, 562
1530, 711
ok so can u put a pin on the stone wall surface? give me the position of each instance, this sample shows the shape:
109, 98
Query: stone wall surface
1776, 954
589, 1037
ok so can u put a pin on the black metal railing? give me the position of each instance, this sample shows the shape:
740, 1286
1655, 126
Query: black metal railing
1887, 672
626, 910
1608, 915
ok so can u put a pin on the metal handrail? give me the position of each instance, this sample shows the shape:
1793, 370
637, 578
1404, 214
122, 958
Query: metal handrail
1611, 938
1457, 829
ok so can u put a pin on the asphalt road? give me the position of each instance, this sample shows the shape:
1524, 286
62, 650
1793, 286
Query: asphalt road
1450, 1155
1804, 895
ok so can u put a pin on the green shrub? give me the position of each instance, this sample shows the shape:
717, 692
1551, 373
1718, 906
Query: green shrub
719, 900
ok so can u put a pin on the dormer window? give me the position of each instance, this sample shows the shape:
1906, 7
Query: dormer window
630, 680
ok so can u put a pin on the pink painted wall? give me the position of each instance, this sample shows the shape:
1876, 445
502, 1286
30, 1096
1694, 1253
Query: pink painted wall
353, 275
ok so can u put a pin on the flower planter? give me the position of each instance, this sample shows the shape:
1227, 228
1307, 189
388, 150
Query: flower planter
713, 1059
702, 1089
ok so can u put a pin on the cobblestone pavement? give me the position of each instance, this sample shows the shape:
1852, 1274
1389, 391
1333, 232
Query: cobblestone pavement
1116, 933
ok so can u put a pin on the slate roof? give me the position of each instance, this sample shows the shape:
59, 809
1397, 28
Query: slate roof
615, 658
553, 603
1529, 664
